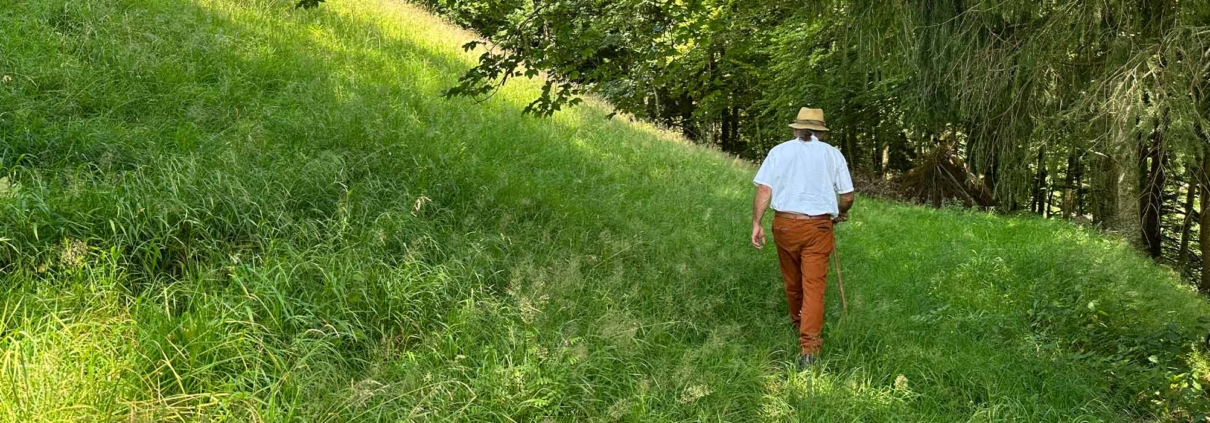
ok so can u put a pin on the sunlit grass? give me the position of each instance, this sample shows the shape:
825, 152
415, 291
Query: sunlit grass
236, 210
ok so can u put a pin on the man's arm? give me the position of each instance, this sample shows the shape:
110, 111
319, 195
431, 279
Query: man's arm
761, 202
846, 203
844, 186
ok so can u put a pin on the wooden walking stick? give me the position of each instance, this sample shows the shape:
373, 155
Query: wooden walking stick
844, 303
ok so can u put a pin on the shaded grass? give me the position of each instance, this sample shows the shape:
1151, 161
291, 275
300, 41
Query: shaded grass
232, 210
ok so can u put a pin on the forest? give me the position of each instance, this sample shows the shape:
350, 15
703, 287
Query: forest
1091, 111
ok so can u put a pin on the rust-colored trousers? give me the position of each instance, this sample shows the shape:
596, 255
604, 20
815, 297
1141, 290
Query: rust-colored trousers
803, 247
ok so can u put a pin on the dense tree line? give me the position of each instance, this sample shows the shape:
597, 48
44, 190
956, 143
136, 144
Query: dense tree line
1088, 110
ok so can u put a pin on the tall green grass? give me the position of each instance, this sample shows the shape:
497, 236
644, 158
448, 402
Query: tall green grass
233, 210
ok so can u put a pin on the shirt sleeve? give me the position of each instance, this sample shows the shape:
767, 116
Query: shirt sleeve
764, 176
841, 180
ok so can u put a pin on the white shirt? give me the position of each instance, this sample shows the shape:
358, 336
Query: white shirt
805, 177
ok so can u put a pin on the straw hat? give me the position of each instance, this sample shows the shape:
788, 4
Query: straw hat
810, 119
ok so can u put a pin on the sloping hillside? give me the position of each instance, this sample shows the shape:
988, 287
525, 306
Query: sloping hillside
233, 210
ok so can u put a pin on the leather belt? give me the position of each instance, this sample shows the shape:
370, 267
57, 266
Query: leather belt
800, 216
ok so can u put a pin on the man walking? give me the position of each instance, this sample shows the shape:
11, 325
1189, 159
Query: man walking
803, 178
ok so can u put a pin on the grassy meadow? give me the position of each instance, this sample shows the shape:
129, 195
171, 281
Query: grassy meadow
231, 210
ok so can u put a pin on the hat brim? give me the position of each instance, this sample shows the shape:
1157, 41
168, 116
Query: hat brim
809, 126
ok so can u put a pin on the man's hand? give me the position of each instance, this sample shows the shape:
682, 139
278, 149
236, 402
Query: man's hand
758, 236
842, 217
760, 202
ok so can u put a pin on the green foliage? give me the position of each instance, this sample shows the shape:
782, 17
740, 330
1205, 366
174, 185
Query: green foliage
578, 44
674, 63
226, 211
732, 73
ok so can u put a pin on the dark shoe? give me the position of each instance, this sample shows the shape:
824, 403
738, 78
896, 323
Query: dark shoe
805, 361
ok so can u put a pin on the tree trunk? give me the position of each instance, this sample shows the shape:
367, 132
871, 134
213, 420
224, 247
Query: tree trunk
730, 131
886, 161
1186, 226
1105, 192
850, 150
1113, 190
1050, 201
1039, 196
1204, 223
992, 176
1151, 203
1069, 182
736, 141
1203, 227
1078, 190
880, 155
724, 133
